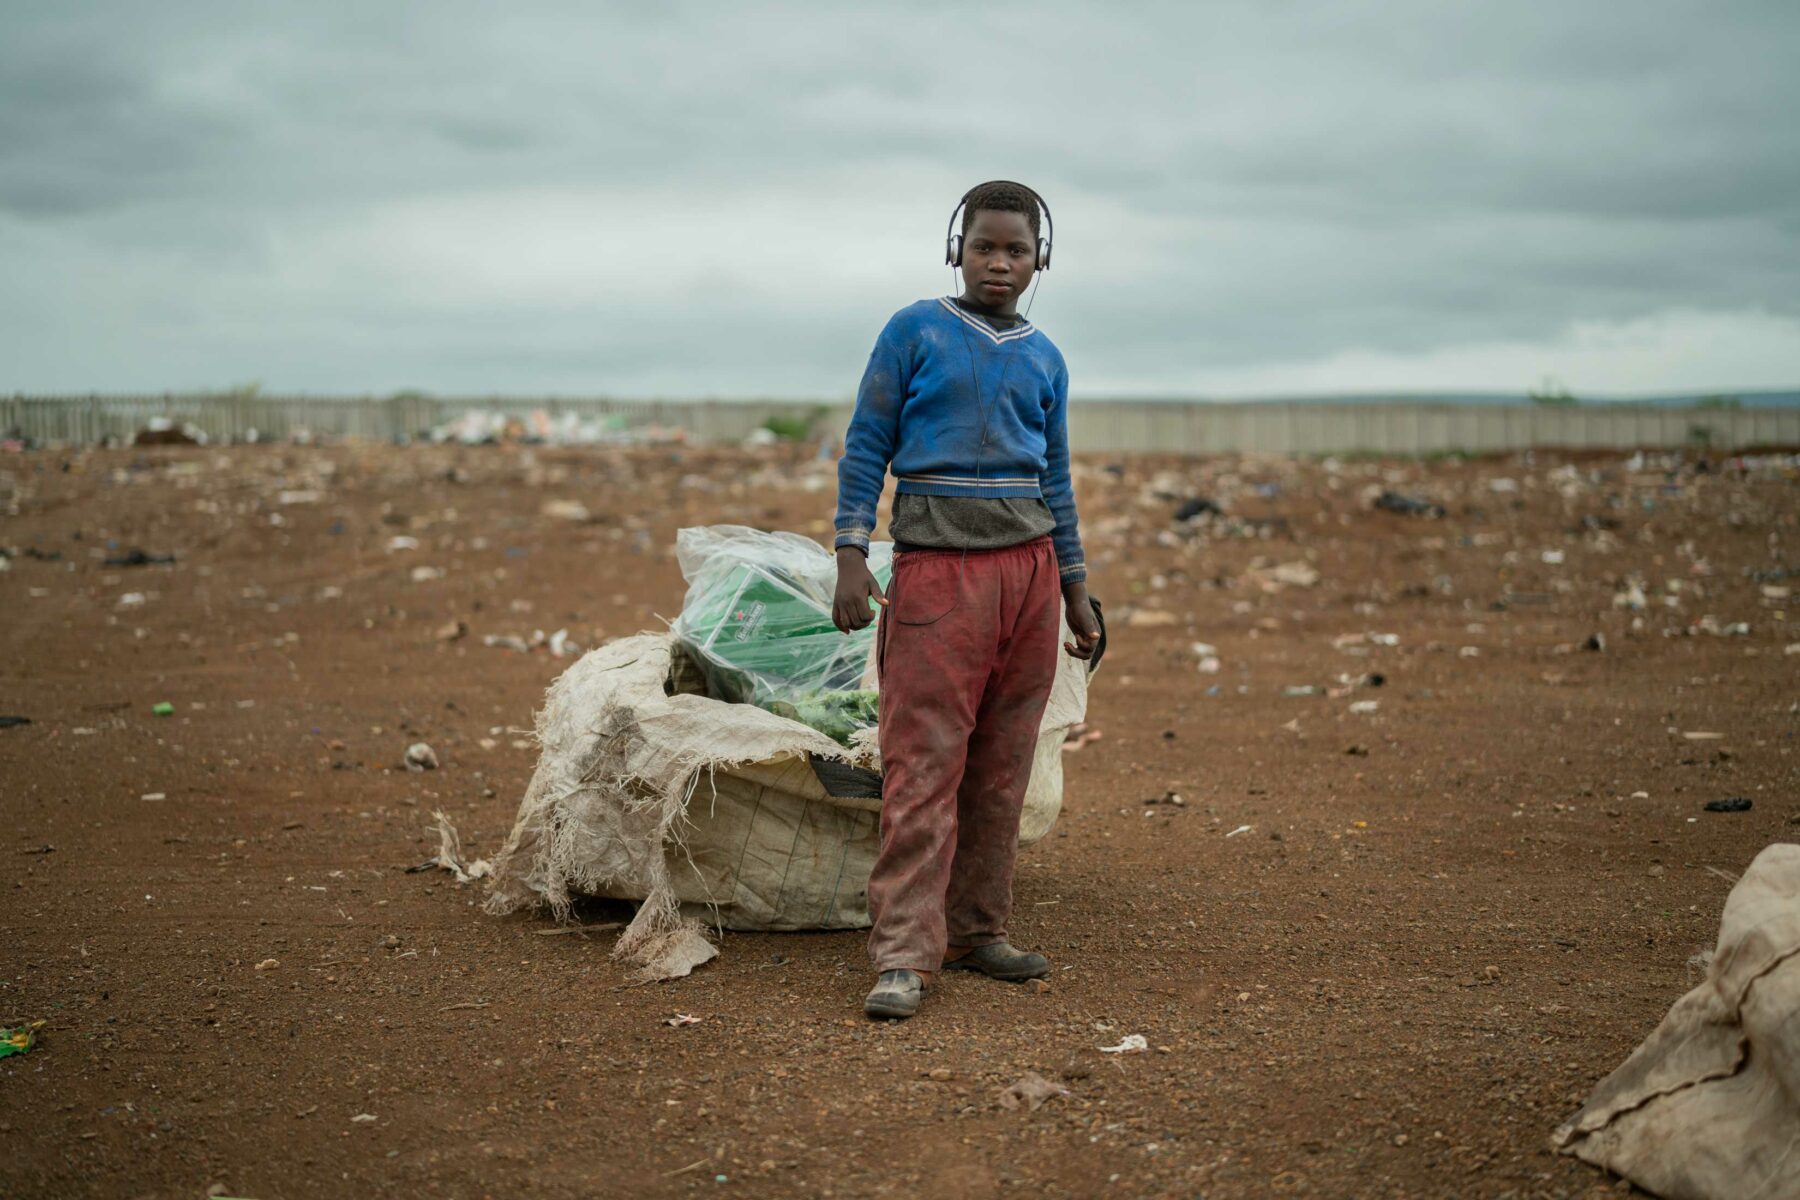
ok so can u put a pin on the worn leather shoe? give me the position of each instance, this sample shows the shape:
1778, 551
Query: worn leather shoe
1001, 961
896, 996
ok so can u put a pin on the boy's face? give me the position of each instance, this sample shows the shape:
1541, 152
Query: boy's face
999, 257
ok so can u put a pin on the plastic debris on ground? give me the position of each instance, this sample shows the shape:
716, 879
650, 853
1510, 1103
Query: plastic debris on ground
1032, 1090
757, 619
1132, 1043
19, 1038
450, 855
1408, 506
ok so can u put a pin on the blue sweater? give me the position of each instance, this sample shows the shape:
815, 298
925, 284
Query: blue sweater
919, 412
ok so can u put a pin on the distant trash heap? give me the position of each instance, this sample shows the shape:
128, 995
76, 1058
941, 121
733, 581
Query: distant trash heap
486, 427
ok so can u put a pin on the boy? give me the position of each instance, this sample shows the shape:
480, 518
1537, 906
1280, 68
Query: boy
967, 401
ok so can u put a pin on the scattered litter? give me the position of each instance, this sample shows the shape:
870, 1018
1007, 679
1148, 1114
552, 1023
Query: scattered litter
163, 431
1703, 735
138, 558
163, 709
1294, 691
19, 1038
1079, 735
1734, 804
153, 796
1031, 1090
14, 722
566, 510
1631, 596
466, 1004
452, 631
363, 1118
450, 855
681, 1018
1596, 642
1198, 506
426, 574
1362, 708
133, 600
1284, 575
1132, 1043
267, 964
1240, 829
1170, 798
559, 644
1408, 506
421, 757
402, 542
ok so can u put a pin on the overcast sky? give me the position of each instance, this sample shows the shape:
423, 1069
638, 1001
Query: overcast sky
729, 199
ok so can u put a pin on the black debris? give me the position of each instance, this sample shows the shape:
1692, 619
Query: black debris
135, 557
1198, 506
1408, 506
1734, 804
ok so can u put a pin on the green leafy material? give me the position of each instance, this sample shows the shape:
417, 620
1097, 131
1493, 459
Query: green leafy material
836, 714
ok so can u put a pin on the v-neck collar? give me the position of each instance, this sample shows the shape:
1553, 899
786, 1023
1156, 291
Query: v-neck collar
1023, 329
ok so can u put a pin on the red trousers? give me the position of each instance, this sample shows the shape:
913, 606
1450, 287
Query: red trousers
966, 653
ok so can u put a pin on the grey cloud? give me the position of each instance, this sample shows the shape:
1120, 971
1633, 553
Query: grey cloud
1289, 181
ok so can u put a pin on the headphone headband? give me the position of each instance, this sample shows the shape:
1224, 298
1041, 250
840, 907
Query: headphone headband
953, 240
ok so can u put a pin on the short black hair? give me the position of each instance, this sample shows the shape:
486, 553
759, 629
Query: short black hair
1002, 196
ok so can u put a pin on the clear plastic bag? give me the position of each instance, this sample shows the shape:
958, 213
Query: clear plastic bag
757, 621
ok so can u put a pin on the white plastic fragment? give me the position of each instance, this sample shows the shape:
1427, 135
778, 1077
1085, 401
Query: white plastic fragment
1132, 1043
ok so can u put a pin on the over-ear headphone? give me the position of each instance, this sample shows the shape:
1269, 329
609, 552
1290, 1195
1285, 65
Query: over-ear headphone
953, 243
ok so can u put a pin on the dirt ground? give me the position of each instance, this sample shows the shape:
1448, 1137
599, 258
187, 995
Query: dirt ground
1439, 925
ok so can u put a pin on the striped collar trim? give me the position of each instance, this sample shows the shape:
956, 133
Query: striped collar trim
1022, 330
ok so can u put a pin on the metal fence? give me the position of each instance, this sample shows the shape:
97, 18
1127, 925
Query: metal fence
1123, 426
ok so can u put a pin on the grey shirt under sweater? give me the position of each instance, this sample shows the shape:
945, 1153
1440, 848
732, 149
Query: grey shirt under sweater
966, 522
969, 522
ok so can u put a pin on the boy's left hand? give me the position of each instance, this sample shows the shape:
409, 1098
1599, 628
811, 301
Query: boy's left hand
1082, 621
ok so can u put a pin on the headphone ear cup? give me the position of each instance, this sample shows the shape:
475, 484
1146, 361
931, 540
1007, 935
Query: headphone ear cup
1043, 255
953, 255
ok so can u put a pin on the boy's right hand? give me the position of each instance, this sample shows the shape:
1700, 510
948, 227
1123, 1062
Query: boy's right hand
856, 586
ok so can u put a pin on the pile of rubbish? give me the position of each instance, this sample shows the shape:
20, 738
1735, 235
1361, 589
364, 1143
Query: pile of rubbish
486, 427
727, 772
